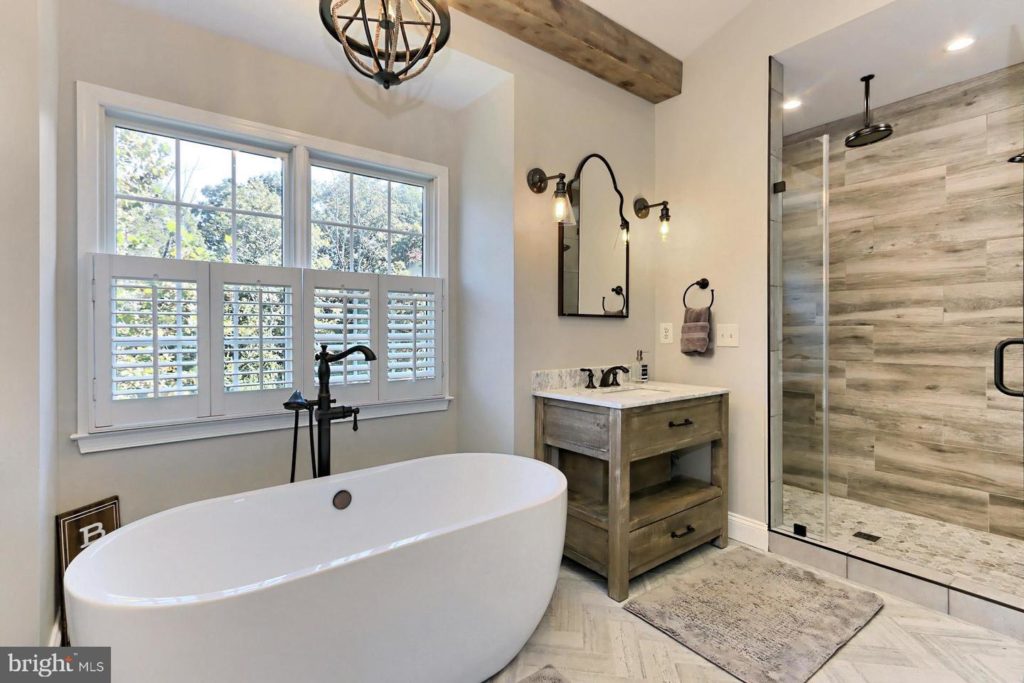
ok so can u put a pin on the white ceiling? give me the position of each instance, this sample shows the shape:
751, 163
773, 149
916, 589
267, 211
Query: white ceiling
903, 44
676, 26
293, 28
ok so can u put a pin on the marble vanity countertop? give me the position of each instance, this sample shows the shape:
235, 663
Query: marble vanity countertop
631, 395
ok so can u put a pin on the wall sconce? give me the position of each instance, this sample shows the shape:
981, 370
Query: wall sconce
642, 208
537, 179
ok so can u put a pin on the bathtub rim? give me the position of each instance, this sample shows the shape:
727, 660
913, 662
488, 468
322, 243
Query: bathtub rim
99, 598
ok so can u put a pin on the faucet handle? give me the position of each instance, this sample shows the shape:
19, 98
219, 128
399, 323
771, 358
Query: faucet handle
355, 419
590, 377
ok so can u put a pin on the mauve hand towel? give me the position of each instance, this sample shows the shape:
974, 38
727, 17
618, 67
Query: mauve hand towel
696, 335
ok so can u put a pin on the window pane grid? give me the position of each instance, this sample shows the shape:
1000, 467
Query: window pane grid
412, 336
177, 198
258, 324
154, 344
360, 223
201, 207
342, 318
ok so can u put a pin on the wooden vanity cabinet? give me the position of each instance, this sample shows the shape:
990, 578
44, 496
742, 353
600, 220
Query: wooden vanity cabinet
626, 512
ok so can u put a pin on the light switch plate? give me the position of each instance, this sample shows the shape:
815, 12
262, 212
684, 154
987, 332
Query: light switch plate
728, 335
665, 335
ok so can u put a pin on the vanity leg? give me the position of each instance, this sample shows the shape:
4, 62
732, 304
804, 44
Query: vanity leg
618, 511
540, 450
720, 472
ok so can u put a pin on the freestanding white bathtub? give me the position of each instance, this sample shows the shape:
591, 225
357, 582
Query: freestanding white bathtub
438, 570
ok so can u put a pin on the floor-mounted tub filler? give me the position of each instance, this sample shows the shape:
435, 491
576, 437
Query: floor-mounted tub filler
436, 569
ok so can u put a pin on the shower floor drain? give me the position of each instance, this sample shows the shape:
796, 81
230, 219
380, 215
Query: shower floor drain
866, 536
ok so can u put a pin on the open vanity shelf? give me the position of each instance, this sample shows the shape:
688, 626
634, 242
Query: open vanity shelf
648, 505
627, 513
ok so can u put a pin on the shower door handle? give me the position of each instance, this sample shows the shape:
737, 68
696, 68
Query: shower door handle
998, 367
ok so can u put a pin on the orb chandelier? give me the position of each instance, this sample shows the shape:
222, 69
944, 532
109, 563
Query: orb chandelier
389, 41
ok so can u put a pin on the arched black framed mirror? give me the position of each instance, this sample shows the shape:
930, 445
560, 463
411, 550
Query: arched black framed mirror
593, 263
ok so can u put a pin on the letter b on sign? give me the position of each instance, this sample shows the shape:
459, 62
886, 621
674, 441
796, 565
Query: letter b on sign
93, 532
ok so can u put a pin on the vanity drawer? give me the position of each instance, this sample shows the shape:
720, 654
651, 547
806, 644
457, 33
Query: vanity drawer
653, 544
578, 428
657, 429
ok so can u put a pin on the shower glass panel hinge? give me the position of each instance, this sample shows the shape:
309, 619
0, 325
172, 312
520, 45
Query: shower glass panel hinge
779, 187
800, 530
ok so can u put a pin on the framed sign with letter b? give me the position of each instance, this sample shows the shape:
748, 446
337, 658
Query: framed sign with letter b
78, 529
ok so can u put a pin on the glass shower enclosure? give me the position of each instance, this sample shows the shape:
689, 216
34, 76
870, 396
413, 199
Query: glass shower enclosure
896, 345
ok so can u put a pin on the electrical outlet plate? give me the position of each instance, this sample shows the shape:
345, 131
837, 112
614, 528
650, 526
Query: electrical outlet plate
728, 335
665, 333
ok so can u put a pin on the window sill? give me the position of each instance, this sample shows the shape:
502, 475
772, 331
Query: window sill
113, 440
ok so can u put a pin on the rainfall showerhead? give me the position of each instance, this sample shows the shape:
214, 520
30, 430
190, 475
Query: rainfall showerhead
871, 132
1017, 158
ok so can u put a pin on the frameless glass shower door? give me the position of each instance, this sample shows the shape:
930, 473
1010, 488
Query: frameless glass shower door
803, 346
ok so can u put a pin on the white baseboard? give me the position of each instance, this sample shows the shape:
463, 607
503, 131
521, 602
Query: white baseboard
749, 531
55, 633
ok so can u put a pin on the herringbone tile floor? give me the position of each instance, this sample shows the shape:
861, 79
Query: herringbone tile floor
591, 639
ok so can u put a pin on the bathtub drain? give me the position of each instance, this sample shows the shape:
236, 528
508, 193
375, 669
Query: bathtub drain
342, 499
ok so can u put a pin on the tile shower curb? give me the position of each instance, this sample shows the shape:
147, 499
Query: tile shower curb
994, 602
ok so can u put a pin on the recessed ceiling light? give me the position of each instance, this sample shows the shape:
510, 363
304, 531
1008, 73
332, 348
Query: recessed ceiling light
961, 43
791, 104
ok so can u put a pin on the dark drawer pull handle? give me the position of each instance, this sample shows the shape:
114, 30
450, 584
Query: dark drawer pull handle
685, 423
680, 534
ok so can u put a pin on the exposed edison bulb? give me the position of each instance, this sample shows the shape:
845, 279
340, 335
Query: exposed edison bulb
663, 231
561, 207
625, 236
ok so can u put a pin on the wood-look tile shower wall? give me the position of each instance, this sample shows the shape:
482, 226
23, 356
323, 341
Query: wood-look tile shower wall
926, 234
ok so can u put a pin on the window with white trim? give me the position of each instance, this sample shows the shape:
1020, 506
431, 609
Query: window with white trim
177, 197
366, 224
224, 257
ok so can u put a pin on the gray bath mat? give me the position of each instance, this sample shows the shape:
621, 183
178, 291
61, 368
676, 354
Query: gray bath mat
760, 619
546, 675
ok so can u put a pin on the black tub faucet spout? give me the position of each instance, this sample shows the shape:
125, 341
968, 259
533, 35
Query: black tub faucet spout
325, 411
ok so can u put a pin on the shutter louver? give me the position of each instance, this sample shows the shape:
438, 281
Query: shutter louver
258, 331
150, 356
412, 336
342, 318
154, 342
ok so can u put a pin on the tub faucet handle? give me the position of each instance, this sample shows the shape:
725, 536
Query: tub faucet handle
355, 419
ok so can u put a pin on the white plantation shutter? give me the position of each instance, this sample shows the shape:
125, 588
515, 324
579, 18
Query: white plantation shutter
412, 329
343, 312
177, 340
150, 319
256, 331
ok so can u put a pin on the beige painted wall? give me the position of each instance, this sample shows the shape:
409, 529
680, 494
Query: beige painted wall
561, 115
28, 76
486, 272
712, 152
183, 64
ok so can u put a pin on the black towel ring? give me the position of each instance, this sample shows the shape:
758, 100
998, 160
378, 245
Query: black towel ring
703, 283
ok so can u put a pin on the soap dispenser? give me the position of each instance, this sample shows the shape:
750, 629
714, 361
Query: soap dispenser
640, 371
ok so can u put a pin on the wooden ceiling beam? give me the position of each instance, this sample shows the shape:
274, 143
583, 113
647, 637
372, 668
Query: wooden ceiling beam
580, 35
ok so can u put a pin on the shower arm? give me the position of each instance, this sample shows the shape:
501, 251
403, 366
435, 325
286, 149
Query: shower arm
867, 100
